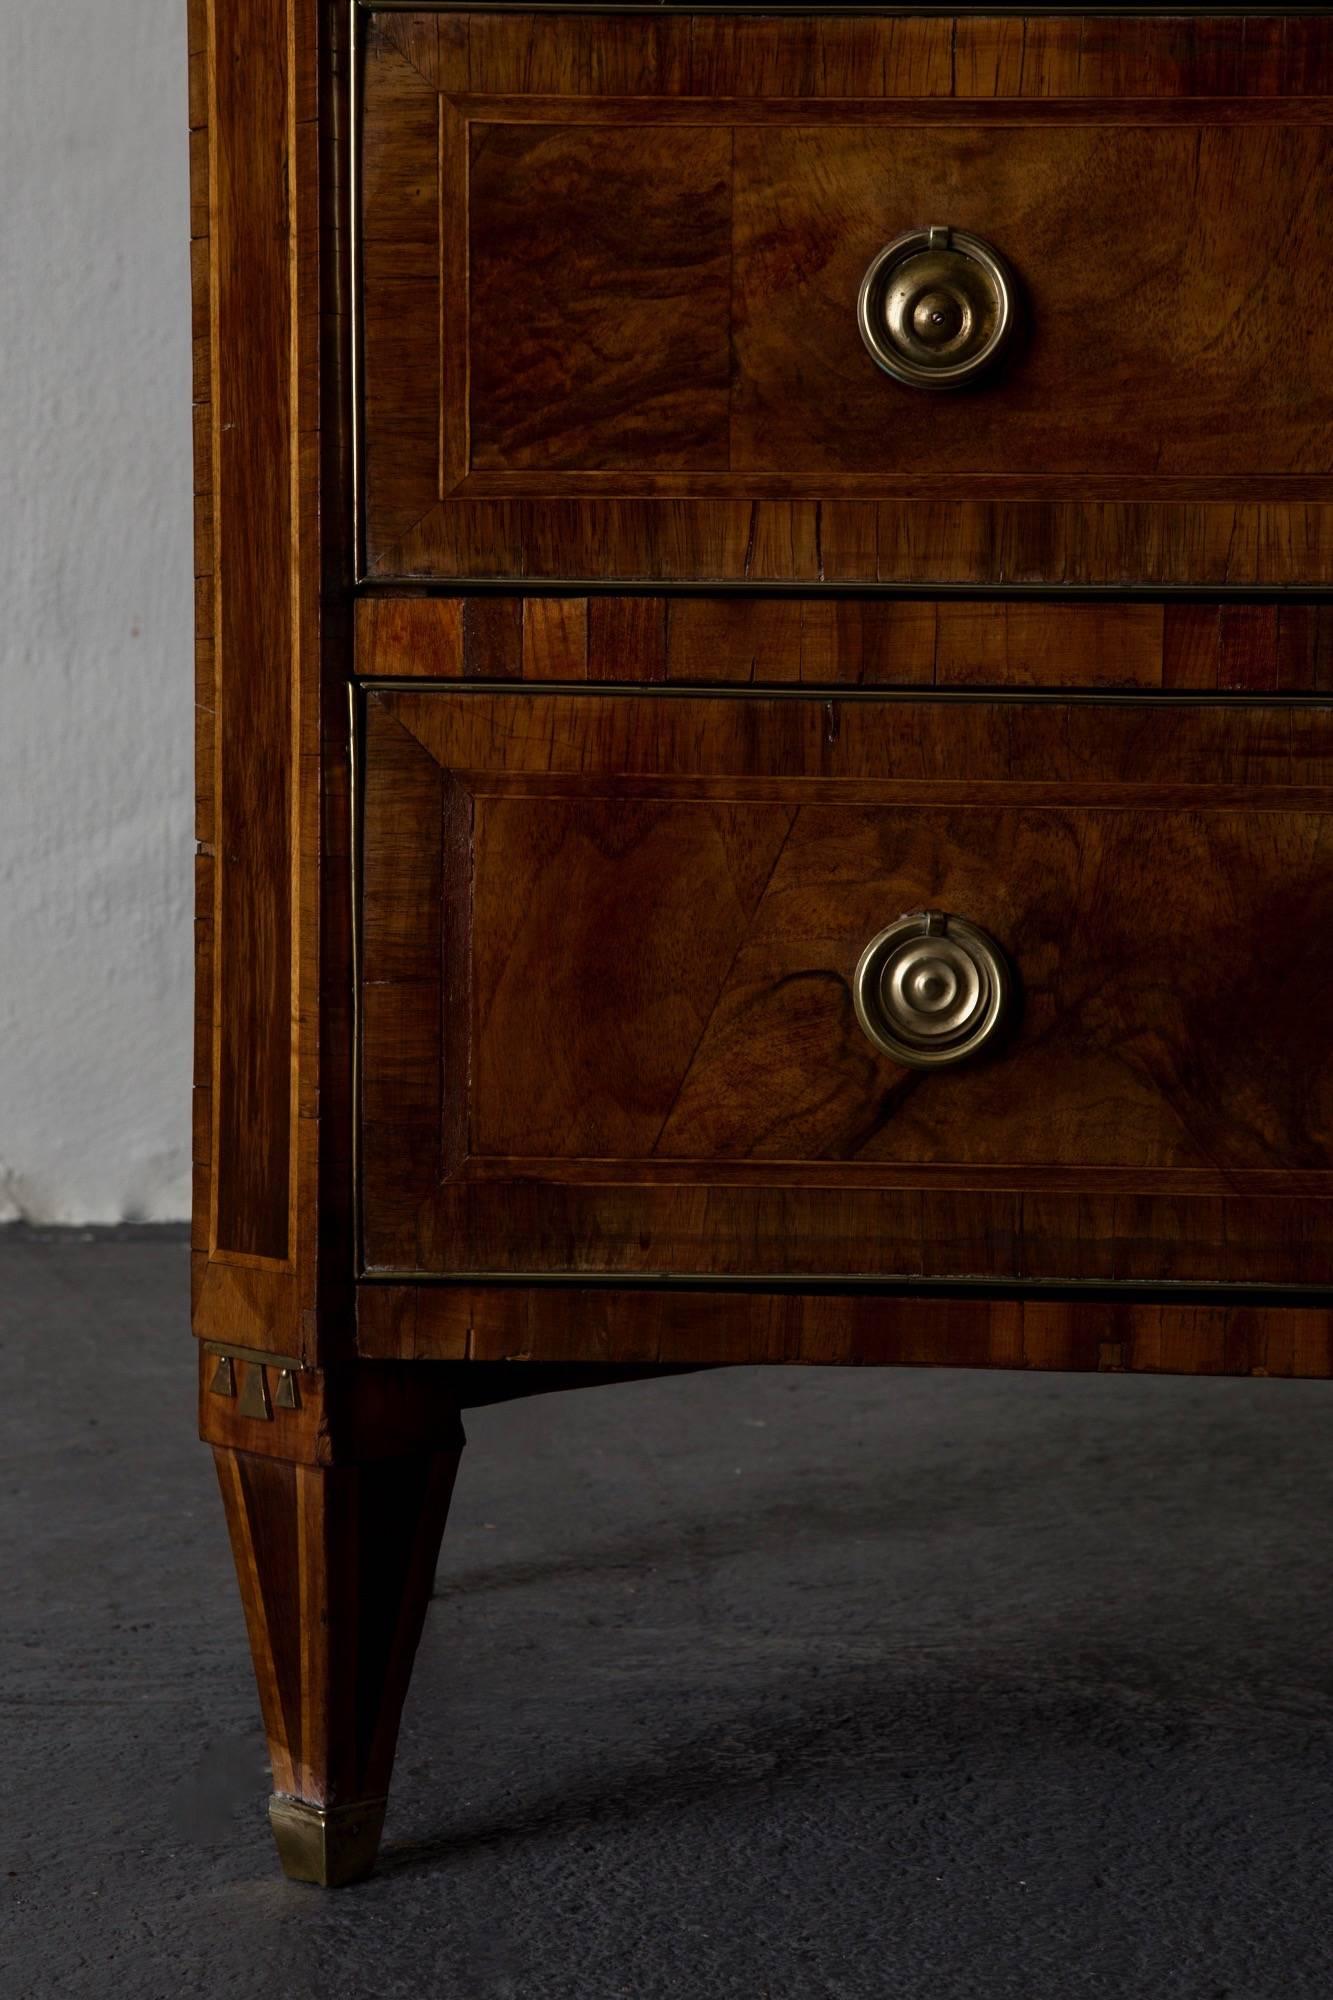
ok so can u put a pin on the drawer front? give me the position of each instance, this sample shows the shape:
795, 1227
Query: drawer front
608, 947
610, 285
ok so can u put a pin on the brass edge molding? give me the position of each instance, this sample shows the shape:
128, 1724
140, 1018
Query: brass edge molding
653, 8
285, 1362
1247, 1294
816, 591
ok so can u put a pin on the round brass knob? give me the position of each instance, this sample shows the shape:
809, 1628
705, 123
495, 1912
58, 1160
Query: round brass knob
936, 307
931, 989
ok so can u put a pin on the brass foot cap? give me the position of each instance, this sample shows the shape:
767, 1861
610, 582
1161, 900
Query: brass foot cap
330, 1846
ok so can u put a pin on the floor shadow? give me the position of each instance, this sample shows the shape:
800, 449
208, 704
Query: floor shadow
893, 1725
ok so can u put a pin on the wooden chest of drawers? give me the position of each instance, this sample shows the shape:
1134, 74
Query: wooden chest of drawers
765, 754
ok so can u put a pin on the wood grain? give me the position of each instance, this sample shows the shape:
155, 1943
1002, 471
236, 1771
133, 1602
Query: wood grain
522, 1326
252, 532
643, 52
1160, 351
273, 1023
205, 737
651, 369
400, 255
600, 309
910, 542
656, 906
849, 642
336, 1566
336, 1485
340, 1416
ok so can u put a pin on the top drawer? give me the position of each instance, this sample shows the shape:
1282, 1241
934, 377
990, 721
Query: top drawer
610, 279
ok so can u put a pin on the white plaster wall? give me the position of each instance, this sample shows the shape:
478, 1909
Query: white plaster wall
95, 611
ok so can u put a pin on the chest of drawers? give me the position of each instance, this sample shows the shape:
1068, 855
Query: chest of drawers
765, 748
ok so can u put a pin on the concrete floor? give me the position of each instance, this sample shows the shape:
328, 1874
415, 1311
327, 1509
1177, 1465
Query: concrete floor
771, 1685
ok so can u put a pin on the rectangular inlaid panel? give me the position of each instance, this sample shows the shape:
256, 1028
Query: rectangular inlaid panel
607, 952
609, 307
251, 431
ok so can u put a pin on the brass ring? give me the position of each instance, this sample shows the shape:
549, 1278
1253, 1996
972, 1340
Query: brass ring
931, 989
936, 307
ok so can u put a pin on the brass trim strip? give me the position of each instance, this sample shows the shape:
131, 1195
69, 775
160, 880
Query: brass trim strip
830, 693
1123, 1291
758, 7
1070, 594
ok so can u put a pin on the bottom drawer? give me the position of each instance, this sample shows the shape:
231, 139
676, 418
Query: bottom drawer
608, 947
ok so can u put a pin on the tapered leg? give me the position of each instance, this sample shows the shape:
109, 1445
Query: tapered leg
336, 1564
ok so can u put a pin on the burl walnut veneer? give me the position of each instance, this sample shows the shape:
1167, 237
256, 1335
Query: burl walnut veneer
765, 738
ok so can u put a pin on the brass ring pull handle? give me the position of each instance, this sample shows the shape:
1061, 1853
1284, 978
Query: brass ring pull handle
936, 307
931, 989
